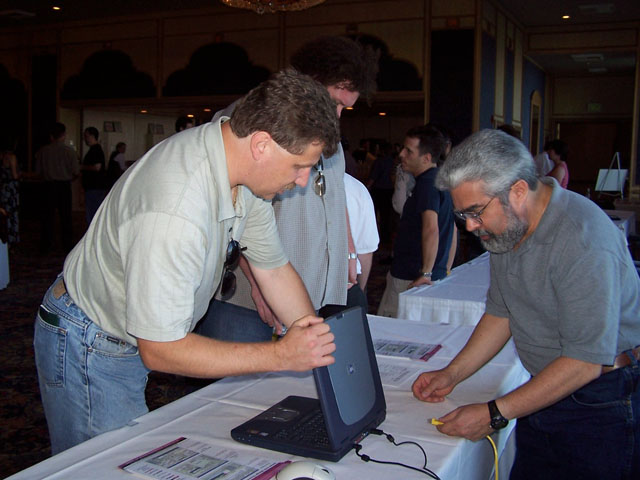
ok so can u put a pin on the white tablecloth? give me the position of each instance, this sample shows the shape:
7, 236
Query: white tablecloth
210, 413
624, 220
458, 299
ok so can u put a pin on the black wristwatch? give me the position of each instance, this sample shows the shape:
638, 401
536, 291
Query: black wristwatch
497, 420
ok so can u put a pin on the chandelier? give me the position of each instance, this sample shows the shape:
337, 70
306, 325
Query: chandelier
272, 6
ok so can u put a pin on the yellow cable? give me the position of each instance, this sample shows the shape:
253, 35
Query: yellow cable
495, 454
435, 421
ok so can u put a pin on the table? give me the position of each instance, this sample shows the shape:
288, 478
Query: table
458, 299
624, 220
211, 412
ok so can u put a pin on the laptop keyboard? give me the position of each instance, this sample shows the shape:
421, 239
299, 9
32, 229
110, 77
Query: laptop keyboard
310, 431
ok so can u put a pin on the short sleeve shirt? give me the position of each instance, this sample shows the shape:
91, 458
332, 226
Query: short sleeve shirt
571, 289
407, 252
153, 258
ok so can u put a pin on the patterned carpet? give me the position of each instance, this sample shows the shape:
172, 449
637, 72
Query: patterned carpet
23, 436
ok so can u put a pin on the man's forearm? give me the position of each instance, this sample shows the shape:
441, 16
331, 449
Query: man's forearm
557, 380
285, 293
487, 339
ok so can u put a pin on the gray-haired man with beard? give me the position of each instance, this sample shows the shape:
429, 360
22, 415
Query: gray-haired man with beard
563, 284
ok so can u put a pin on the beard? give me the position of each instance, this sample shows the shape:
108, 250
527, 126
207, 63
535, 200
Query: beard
504, 242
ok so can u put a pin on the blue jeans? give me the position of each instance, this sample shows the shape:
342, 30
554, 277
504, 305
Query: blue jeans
592, 434
90, 381
231, 323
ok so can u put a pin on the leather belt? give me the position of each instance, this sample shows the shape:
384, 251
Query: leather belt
622, 360
59, 288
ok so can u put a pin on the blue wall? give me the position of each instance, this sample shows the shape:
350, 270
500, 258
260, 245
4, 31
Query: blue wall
487, 80
533, 79
508, 87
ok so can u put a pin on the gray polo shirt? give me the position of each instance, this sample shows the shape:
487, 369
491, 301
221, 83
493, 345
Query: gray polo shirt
153, 258
571, 289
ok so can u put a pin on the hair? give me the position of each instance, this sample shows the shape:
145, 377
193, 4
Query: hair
493, 157
339, 61
57, 130
447, 137
181, 123
291, 107
559, 147
93, 131
120, 144
431, 140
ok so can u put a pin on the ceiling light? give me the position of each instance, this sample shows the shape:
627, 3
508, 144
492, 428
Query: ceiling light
587, 57
382, 114
206, 109
272, 6
143, 111
57, 8
348, 108
566, 17
190, 115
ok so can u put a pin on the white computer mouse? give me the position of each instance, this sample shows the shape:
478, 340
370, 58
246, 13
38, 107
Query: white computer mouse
305, 470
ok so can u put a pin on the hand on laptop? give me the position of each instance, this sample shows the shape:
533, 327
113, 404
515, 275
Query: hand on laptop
308, 344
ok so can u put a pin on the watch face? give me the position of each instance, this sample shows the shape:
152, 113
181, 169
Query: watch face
498, 423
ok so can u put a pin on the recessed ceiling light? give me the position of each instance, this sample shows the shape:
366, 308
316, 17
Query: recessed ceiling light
57, 9
382, 114
206, 109
348, 108
190, 115
143, 111
566, 17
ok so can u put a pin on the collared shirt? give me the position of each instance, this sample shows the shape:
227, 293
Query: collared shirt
313, 232
57, 162
152, 259
407, 251
570, 289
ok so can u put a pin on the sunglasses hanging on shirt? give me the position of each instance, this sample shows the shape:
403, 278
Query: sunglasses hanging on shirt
319, 183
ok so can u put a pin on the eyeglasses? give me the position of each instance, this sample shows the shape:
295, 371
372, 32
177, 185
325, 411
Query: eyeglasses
228, 287
319, 184
475, 216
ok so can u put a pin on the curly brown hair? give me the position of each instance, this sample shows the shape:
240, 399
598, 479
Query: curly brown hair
293, 108
339, 60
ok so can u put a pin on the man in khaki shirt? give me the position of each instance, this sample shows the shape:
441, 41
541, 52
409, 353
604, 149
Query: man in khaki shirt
166, 238
57, 164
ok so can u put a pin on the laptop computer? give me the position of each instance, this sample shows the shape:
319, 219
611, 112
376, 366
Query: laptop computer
350, 399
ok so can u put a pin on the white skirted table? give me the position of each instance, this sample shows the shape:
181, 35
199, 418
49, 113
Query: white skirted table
458, 299
210, 413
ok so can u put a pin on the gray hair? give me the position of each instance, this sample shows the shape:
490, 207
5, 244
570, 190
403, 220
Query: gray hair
492, 156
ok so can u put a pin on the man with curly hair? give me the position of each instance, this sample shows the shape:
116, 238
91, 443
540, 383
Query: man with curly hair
312, 219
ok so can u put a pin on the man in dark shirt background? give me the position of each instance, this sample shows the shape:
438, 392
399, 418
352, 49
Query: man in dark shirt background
93, 173
425, 243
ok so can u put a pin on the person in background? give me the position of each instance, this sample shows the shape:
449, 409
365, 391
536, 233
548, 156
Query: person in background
362, 220
312, 219
93, 173
184, 123
426, 239
579, 414
167, 237
57, 165
10, 191
543, 163
558, 151
380, 184
117, 163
